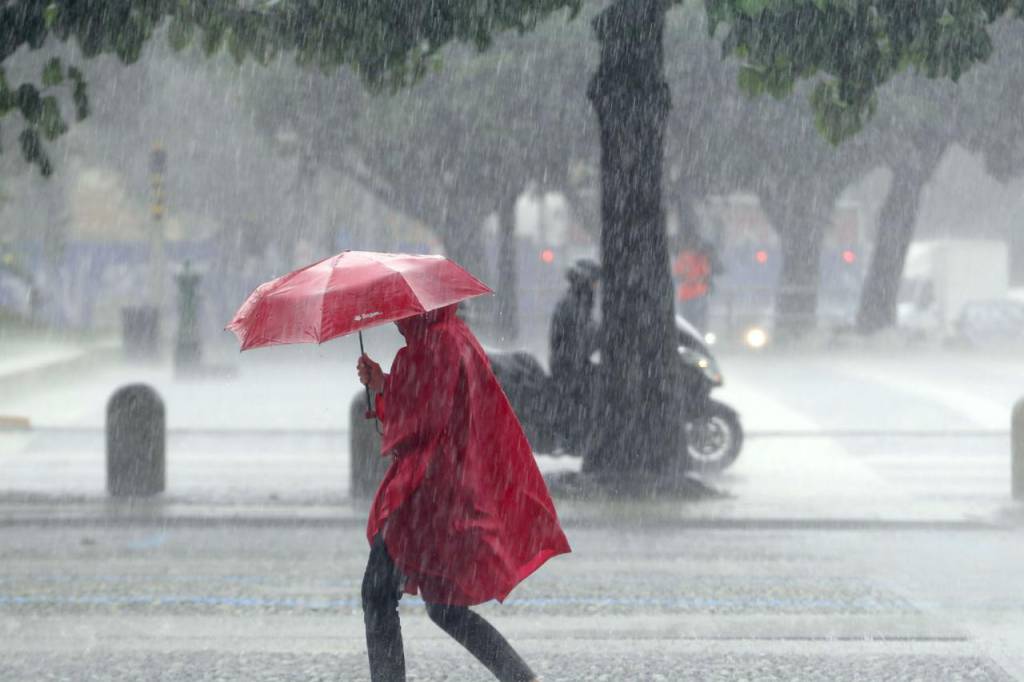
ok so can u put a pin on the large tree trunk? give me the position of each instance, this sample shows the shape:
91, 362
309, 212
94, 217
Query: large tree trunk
507, 309
896, 220
800, 220
640, 425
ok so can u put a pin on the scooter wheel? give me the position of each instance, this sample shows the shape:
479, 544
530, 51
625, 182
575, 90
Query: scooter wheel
713, 440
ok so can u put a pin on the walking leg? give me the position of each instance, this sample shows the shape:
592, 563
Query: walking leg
481, 639
382, 588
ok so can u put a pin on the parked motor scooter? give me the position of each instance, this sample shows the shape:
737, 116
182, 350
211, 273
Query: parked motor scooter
714, 435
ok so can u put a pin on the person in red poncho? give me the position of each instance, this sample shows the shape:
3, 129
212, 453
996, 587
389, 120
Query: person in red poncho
463, 514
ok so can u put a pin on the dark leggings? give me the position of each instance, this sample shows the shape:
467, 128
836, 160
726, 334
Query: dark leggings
382, 588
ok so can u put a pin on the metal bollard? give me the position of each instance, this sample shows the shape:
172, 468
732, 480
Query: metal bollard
1017, 449
136, 442
366, 466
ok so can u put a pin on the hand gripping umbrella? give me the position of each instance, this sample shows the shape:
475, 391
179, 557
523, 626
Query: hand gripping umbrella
349, 292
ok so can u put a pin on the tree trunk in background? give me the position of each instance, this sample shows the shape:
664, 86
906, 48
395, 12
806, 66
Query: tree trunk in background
640, 429
464, 244
880, 293
800, 219
796, 298
689, 224
507, 309
325, 232
45, 304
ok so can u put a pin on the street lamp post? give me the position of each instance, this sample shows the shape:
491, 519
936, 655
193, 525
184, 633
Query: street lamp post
141, 322
187, 349
157, 255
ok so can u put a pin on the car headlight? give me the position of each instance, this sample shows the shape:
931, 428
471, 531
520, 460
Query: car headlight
707, 366
756, 338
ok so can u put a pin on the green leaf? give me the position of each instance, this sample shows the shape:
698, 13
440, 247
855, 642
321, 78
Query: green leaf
213, 38
236, 47
29, 102
751, 7
50, 14
51, 123
79, 94
179, 34
717, 14
7, 99
30, 146
730, 43
780, 86
838, 120
884, 46
130, 41
751, 81
53, 73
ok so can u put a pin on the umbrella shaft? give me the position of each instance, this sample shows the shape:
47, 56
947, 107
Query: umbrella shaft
362, 352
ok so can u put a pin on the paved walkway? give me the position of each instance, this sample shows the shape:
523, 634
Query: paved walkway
272, 435
830, 557
251, 602
23, 353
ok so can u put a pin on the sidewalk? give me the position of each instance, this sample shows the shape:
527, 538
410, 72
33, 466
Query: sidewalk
248, 566
303, 479
32, 357
270, 445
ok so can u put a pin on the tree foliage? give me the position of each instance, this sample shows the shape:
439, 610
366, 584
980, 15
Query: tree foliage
389, 44
849, 47
852, 47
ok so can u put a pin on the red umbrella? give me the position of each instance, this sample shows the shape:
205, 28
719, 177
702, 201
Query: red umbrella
347, 293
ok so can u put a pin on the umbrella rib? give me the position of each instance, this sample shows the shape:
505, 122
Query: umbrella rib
323, 295
405, 282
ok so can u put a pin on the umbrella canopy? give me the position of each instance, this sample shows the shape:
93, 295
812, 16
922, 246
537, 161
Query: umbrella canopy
349, 292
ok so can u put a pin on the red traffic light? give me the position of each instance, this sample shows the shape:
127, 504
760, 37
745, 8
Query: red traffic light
547, 255
849, 256
761, 257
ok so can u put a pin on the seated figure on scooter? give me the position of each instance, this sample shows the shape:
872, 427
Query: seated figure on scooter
575, 336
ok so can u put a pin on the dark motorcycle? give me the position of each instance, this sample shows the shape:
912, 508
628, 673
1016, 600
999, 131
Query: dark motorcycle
714, 435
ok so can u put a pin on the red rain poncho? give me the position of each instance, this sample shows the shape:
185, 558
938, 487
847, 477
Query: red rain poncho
464, 510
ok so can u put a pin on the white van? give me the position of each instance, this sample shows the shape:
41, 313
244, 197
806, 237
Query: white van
942, 276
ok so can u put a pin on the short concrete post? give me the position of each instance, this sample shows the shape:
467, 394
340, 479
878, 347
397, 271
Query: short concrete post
366, 466
1017, 448
136, 442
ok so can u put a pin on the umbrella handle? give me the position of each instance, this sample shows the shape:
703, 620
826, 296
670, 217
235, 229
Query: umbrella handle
369, 407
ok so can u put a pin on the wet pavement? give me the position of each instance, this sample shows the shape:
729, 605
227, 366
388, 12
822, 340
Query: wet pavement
555, 664
866, 533
272, 601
